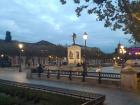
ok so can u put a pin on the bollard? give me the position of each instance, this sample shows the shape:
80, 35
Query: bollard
99, 77
39, 75
83, 78
58, 74
48, 73
70, 75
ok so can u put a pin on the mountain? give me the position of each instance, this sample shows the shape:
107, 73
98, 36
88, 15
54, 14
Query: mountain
43, 42
42, 48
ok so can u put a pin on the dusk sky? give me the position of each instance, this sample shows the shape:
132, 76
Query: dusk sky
35, 20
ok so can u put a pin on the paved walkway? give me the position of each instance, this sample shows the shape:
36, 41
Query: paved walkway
114, 96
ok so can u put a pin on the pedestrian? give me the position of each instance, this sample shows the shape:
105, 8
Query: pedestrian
98, 69
39, 70
78, 65
84, 69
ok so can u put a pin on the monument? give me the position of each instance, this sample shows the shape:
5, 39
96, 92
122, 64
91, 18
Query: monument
74, 52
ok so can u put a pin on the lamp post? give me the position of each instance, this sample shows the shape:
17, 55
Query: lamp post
114, 60
2, 55
85, 36
20, 46
122, 51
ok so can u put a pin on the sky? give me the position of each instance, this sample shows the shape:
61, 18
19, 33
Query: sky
35, 20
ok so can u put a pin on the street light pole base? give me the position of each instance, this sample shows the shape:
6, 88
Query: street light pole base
20, 70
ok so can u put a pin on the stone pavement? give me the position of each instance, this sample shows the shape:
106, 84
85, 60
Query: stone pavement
114, 96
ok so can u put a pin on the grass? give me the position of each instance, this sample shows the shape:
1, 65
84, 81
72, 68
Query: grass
12, 95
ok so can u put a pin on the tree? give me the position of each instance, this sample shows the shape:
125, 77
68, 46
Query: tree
8, 36
116, 14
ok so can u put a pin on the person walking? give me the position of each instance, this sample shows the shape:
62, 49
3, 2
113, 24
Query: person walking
98, 69
39, 70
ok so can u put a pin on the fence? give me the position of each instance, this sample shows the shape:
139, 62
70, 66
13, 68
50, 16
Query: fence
83, 75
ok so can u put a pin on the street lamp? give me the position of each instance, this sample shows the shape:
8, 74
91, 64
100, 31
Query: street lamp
22, 50
20, 46
122, 51
115, 59
85, 36
2, 55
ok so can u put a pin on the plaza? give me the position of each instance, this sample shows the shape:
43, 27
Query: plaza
117, 81
80, 52
114, 96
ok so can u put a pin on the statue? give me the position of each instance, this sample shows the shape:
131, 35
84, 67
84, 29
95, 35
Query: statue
71, 55
77, 54
74, 37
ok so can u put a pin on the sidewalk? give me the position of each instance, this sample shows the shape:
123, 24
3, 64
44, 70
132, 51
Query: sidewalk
114, 96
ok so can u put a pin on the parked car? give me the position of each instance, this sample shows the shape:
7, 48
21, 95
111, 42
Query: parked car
5, 61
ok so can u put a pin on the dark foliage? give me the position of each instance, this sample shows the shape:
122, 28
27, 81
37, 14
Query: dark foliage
45, 49
12, 95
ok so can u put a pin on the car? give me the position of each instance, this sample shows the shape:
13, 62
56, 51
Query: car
5, 62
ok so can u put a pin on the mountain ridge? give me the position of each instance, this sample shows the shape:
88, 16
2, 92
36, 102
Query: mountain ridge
40, 48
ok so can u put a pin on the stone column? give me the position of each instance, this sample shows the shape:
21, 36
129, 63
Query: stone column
17, 60
35, 61
23, 61
128, 78
13, 60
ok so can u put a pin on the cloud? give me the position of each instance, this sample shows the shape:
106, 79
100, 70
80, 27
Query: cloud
51, 21
12, 25
72, 18
34, 20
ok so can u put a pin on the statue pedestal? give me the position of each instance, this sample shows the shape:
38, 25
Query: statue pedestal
74, 54
129, 78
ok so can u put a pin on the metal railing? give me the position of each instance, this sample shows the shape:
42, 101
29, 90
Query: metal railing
71, 74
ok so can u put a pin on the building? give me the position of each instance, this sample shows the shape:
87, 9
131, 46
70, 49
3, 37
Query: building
134, 51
